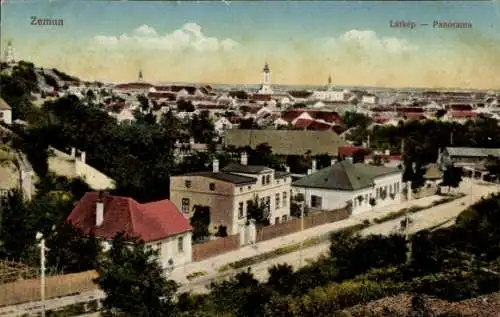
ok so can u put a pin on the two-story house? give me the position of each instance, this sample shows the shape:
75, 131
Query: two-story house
228, 192
362, 186
159, 224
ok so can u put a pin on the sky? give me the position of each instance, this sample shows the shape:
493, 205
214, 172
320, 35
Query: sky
219, 42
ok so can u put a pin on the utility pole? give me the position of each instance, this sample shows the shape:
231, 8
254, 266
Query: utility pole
40, 237
302, 226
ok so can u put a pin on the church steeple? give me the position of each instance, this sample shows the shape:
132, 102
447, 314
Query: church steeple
140, 78
330, 86
266, 80
9, 53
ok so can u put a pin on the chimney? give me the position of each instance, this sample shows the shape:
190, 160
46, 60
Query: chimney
333, 161
287, 169
73, 152
215, 165
99, 209
83, 156
313, 166
244, 158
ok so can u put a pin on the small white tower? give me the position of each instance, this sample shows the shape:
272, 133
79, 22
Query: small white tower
266, 80
9, 54
330, 86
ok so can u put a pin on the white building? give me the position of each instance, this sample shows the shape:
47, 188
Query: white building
5, 112
362, 186
222, 124
369, 99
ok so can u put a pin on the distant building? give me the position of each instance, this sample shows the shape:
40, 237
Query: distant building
9, 54
5, 112
266, 80
465, 156
345, 183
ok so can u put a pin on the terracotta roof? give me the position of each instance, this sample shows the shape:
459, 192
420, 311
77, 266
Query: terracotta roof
317, 125
348, 151
150, 222
260, 97
462, 114
302, 123
133, 86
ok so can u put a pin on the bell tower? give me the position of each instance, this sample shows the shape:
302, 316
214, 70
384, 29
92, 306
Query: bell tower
266, 80
9, 54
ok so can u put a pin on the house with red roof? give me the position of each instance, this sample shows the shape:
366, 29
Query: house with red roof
159, 224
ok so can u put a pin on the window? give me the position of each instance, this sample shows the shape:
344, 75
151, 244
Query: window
185, 206
276, 220
249, 203
249, 187
180, 244
212, 186
241, 189
315, 201
1, 114
268, 179
277, 201
284, 199
268, 202
284, 218
240, 210
188, 184
158, 249
263, 182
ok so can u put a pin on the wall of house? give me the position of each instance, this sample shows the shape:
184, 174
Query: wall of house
245, 193
95, 178
6, 116
168, 249
220, 200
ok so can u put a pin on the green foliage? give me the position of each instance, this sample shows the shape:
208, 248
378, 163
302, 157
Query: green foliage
295, 210
200, 222
258, 211
72, 251
133, 280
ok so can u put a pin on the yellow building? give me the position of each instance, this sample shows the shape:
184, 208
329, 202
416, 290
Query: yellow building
229, 191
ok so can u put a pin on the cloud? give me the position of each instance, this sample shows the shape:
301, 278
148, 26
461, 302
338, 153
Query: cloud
189, 36
367, 41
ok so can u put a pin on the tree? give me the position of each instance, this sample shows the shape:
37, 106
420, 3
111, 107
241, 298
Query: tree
259, 211
323, 160
248, 124
200, 222
452, 177
134, 282
71, 250
281, 278
18, 227
185, 106
355, 119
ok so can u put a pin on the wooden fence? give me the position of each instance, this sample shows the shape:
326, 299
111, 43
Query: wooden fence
24, 291
215, 247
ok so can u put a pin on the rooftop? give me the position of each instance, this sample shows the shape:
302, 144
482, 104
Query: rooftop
345, 176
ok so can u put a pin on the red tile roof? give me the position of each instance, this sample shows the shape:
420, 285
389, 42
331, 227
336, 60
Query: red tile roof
302, 123
150, 222
348, 151
319, 126
462, 114
328, 116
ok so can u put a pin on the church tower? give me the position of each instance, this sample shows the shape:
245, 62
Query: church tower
266, 80
330, 86
9, 54
139, 77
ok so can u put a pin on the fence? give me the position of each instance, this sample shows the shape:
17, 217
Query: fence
24, 291
215, 247
292, 226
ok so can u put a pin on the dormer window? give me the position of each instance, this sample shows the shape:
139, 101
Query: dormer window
212, 186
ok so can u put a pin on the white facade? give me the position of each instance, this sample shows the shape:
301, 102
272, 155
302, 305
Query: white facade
222, 124
266, 81
369, 99
174, 251
276, 193
6, 116
334, 199
328, 95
